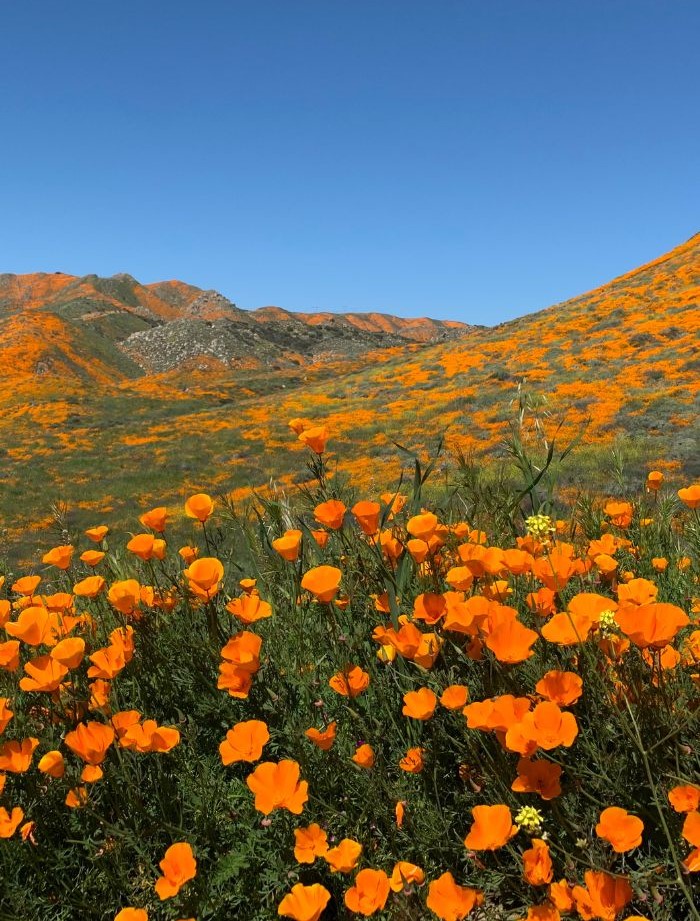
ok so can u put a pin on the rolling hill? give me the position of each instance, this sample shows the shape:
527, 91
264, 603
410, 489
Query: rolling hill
116, 394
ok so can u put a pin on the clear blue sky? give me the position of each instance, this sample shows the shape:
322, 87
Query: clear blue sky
473, 160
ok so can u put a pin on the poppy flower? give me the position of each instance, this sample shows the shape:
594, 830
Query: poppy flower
344, 857
691, 828
493, 827
90, 741
459, 578
200, 506
107, 662
315, 438
150, 737
604, 895
309, 843
450, 901
429, 607
249, 608
188, 553
622, 830
244, 742
653, 624
10, 821
125, 595
405, 874
92, 557
237, 681
550, 726
323, 740
97, 534
288, 545
413, 761
144, 546
420, 704
44, 674
243, 650
90, 587
155, 519
6, 713
655, 480
364, 756
541, 777
511, 642
34, 626
369, 894
323, 582
132, 914
685, 798
330, 514
59, 556
418, 549
204, 576
561, 896
178, 866
455, 697
276, 785
562, 688
537, 864
367, 516
26, 585
77, 798
351, 682
422, 526
304, 903
690, 496
52, 763
16, 756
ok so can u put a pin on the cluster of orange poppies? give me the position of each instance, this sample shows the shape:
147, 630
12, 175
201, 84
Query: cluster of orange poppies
63, 642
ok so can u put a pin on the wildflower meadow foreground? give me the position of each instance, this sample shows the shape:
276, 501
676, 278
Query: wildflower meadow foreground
432, 702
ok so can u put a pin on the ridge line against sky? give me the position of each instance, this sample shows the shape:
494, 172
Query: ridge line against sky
458, 160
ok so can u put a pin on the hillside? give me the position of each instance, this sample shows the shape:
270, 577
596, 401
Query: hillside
112, 389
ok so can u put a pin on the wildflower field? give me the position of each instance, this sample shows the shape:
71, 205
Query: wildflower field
464, 699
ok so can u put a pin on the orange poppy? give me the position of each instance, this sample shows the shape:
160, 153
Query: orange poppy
541, 777
323, 740
125, 595
16, 756
315, 438
200, 507
685, 798
204, 576
537, 864
6, 713
90, 741
604, 895
155, 519
622, 830
144, 546
344, 857
237, 681
132, 914
188, 554
304, 903
107, 662
44, 674
510, 641
288, 546
179, 867
52, 763
449, 901
309, 843
249, 608
59, 556
369, 894
549, 726
243, 650
92, 557
562, 688
10, 821
330, 514
691, 828
97, 534
413, 761
493, 827
323, 582
405, 874
429, 607
455, 697
364, 756
655, 480
244, 742
34, 626
420, 704
690, 496
276, 785
90, 587
150, 737
351, 682
422, 526
653, 624
77, 798
367, 516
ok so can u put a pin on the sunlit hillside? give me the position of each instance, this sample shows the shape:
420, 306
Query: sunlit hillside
115, 393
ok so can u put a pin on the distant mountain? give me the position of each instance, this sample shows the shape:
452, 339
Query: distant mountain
116, 328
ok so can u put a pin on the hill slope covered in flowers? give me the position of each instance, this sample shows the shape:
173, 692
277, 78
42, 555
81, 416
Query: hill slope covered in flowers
96, 425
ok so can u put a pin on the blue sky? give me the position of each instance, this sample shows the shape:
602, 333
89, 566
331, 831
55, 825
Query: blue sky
457, 159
